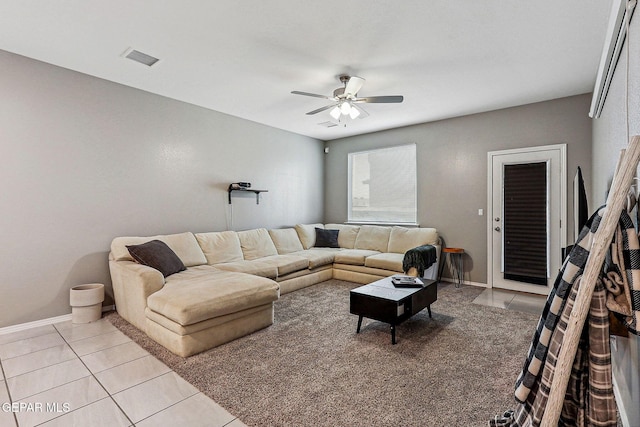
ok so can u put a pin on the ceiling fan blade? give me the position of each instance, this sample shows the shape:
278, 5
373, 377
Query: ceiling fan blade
320, 109
363, 112
380, 99
297, 92
353, 85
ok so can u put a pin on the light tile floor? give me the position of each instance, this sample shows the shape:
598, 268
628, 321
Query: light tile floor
93, 375
511, 300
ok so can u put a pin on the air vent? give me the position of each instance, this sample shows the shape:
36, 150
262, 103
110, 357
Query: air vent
328, 124
143, 58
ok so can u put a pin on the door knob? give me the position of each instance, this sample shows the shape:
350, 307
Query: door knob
497, 219
497, 228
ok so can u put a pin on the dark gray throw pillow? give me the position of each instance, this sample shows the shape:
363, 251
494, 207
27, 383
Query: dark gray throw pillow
158, 255
326, 238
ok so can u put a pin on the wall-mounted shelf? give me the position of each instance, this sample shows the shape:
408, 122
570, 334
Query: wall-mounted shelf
252, 190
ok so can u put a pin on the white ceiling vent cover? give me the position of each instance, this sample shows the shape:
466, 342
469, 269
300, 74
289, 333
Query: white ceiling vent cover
143, 58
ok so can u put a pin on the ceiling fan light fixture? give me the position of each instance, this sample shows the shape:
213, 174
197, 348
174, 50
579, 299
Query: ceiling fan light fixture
335, 112
345, 98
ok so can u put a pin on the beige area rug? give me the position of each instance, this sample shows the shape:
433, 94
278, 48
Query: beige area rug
310, 368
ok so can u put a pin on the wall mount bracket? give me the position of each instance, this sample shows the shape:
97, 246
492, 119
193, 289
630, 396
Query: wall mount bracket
232, 188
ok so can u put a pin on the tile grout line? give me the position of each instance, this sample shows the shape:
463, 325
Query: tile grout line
97, 380
31, 352
150, 379
145, 381
91, 373
114, 366
44, 367
171, 371
54, 364
60, 385
83, 406
15, 417
111, 395
114, 346
87, 338
175, 403
35, 336
6, 386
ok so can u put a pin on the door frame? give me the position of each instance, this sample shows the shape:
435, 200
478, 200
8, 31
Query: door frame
563, 202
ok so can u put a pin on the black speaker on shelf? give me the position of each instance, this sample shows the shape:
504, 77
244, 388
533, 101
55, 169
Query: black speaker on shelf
240, 186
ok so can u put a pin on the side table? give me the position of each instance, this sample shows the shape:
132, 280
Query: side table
456, 258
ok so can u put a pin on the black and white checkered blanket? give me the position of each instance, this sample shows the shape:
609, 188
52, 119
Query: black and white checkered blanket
589, 400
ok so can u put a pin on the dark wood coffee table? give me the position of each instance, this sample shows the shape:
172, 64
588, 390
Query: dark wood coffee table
384, 302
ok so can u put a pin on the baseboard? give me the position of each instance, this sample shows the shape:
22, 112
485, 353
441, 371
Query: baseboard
465, 282
44, 322
620, 403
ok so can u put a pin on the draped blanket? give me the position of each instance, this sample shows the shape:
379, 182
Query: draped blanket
589, 400
623, 278
421, 258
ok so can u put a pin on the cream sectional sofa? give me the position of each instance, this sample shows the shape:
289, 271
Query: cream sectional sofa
232, 278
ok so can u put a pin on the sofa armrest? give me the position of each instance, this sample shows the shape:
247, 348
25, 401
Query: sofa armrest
132, 285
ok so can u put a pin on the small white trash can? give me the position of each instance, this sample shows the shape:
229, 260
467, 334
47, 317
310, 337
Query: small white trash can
86, 302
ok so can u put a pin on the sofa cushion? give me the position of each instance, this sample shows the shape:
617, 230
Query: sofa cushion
385, 261
286, 240
156, 254
286, 263
373, 238
347, 236
402, 239
255, 267
205, 324
220, 246
204, 293
326, 238
353, 256
361, 270
317, 257
307, 234
256, 244
183, 244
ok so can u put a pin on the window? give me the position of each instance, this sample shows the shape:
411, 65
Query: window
382, 185
524, 222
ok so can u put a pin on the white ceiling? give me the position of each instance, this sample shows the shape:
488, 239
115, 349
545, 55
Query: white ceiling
243, 58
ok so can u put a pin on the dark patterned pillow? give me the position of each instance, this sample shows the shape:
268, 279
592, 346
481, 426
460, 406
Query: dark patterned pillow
158, 255
326, 238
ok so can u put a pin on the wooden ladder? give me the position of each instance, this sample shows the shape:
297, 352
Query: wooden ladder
616, 200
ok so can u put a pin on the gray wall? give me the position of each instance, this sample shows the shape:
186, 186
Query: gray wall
609, 137
452, 166
85, 160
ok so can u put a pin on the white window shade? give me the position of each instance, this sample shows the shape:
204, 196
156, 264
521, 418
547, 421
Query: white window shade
382, 185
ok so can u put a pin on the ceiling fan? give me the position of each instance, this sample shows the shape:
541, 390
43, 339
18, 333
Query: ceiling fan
346, 99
